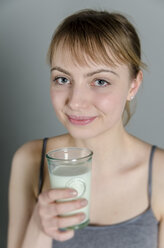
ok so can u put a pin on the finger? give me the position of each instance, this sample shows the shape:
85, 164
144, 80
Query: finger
55, 209
56, 194
66, 207
64, 222
57, 223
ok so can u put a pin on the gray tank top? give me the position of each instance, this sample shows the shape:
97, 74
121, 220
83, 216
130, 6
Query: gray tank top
138, 232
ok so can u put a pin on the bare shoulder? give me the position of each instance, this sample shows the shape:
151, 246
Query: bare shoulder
28, 154
158, 182
25, 164
159, 164
29, 147
143, 151
159, 155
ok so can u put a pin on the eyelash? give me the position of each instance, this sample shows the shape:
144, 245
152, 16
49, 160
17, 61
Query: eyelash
102, 80
56, 81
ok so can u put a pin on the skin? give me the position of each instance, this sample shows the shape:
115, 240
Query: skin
119, 165
82, 94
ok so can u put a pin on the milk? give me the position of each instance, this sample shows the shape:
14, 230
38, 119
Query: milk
72, 176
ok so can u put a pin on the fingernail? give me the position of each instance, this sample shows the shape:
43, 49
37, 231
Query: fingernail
72, 192
82, 217
83, 202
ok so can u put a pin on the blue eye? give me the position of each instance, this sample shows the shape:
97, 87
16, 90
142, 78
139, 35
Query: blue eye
101, 83
61, 80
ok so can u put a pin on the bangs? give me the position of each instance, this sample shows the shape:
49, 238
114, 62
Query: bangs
98, 37
87, 45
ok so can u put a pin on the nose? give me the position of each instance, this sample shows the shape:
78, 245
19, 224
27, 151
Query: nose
79, 98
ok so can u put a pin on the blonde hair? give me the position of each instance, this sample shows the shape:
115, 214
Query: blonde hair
98, 34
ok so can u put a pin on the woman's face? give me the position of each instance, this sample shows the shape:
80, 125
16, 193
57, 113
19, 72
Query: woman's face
88, 99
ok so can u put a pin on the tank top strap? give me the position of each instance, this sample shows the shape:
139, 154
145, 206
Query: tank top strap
41, 173
150, 172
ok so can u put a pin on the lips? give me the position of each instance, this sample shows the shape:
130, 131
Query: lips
80, 120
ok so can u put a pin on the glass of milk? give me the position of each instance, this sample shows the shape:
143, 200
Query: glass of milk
70, 167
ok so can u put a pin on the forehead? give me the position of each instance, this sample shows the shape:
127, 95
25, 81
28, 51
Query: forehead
79, 56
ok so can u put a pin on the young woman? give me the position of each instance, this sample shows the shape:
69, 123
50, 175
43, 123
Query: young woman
95, 65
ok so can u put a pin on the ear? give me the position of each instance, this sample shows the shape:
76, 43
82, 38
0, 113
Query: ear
134, 87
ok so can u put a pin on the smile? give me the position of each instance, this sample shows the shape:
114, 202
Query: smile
80, 120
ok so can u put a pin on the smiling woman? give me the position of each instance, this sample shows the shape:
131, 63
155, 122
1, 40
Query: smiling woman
96, 69
115, 45
89, 93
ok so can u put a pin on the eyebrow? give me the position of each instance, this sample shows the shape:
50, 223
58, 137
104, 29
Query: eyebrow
56, 68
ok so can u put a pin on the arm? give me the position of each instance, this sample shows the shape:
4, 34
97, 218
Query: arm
35, 223
34, 236
22, 201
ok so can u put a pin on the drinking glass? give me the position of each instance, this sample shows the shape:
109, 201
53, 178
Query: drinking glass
70, 167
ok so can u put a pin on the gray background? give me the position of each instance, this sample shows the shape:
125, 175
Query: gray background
26, 27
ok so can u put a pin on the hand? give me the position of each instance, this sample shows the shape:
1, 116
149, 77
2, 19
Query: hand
51, 212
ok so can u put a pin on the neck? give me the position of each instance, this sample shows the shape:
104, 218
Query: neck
108, 148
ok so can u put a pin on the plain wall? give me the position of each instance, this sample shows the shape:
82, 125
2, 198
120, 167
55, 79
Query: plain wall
26, 27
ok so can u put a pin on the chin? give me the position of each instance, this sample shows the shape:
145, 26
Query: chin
81, 134
85, 134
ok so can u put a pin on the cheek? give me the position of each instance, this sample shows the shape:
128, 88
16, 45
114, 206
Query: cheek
53, 98
58, 95
56, 99
112, 103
